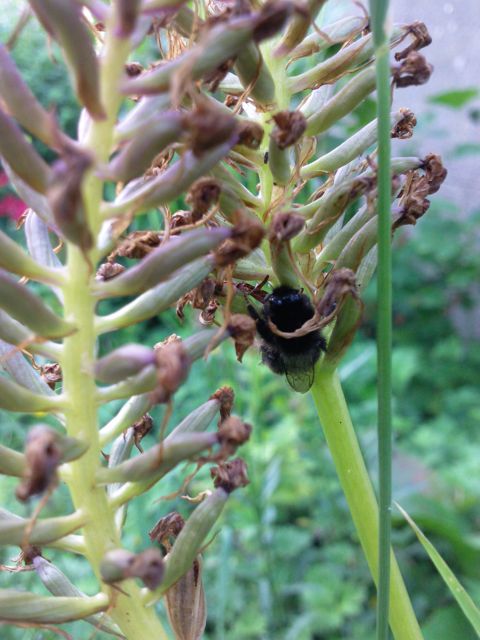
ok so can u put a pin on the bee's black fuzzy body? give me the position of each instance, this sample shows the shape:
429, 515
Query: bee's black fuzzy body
289, 309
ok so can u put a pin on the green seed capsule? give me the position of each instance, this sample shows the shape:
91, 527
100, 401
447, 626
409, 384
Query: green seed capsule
44, 532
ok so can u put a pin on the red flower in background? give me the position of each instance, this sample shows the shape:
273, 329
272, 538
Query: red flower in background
10, 205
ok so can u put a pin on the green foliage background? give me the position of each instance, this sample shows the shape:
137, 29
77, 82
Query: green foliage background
286, 563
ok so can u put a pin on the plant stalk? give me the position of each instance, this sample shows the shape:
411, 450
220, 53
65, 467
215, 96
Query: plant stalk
343, 444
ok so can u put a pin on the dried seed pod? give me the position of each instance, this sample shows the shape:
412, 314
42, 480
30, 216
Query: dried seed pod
186, 604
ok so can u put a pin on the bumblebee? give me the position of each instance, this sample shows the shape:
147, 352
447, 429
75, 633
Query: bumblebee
289, 309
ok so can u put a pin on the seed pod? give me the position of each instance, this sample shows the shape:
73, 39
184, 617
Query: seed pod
157, 299
142, 117
39, 245
186, 604
337, 32
25, 607
23, 305
142, 382
37, 201
250, 67
62, 19
123, 362
356, 145
131, 411
14, 333
158, 460
21, 156
137, 156
44, 532
15, 397
141, 196
298, 27
330, 207
59, 585
162, 262
12, 463
20, 102
342, 103
15, 260
14, 363
349, 57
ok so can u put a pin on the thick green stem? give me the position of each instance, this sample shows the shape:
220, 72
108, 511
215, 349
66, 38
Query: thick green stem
341, 439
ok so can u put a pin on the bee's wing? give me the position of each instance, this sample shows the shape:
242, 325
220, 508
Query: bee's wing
301, 381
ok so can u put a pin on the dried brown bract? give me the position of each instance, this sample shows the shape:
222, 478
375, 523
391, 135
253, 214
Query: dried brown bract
230, 475
414, 70
136, 245
208, 127
242, 328
232, 433
247, 234
435, 172
199, 298
290, 127
133, 69
404, 127
285, 226
420, 38
203, 193
341, 283
149, 567
43, 455
226, 397
51, 373
271, 19
173, 365
141, 428
167, 529
250, 134
65, 196
109, 270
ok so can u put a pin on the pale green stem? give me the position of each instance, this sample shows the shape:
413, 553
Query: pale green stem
100, 533
342, 442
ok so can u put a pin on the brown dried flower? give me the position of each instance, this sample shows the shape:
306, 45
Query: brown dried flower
290, 127
109, 270
173, 365
230, 475
247, 234
404, 127
51, 373
226, 397
420, 38
167, 529
232, 433
242, 328
43, 455
203, 193
285, 226
414, 70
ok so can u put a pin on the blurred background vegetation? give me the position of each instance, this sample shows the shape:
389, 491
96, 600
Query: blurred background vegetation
286, 563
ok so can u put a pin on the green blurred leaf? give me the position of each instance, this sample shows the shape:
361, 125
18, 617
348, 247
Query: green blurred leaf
454, 99
465, 602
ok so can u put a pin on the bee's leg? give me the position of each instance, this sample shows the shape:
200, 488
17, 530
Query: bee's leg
262, 327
